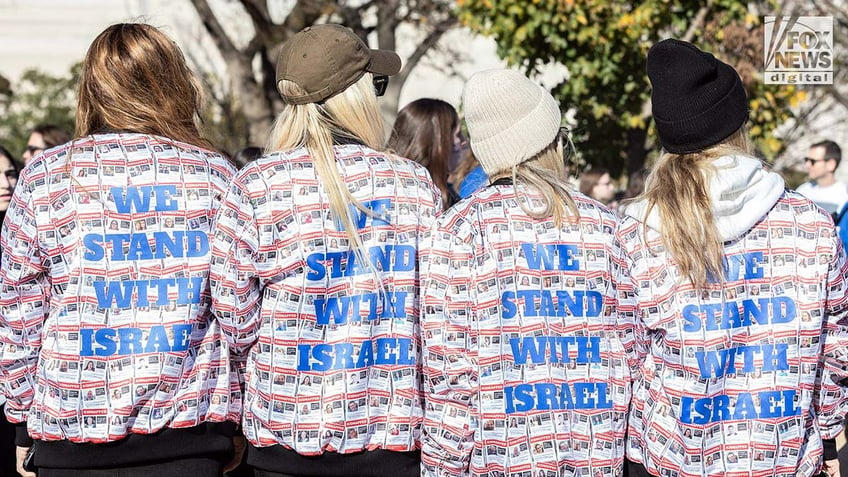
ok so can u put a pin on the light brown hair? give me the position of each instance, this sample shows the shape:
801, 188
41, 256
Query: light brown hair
678, 187
423, 132
134, 78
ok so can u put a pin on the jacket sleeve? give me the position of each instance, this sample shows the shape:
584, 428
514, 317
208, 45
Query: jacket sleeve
235, 285
833, 394
450, 375
24, 302
632, 330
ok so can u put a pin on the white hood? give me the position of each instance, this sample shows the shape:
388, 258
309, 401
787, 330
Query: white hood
741, 193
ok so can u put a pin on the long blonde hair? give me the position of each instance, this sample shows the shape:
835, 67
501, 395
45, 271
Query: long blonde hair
351, 114
679, 188
546, 173
134, 78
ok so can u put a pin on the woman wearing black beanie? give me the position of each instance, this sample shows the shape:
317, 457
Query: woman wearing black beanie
741, 290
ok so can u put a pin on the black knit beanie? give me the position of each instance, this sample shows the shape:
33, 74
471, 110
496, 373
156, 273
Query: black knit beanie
697, 100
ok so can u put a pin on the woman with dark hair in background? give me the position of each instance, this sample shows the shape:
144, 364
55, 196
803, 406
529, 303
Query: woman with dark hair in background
428, 132
9, 170
597, 184
45, 136
132, 300
8, 179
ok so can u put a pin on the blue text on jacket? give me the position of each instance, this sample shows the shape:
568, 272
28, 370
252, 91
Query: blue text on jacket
381, 351
720, 362
541, 303
768, 405
124, 341
138, 198
136, 246
536, 349
349, 308
121, 292
399, 258
561, 256
547, 396
735, 314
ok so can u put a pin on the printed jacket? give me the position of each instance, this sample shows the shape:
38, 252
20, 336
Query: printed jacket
742, 378
333, 340
525, 341
105, 327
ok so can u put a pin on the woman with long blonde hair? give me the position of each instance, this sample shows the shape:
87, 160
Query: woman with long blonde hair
521, 318
316, 271
111, 360
724, 264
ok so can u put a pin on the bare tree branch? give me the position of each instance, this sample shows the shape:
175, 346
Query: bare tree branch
258, 12
216, 31
837, 96
387, 22
351, 17
697, 22
428, 43
254, 93
305, 13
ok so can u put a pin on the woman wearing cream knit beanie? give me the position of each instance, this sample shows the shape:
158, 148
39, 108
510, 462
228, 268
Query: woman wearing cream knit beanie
510, 118
517, 272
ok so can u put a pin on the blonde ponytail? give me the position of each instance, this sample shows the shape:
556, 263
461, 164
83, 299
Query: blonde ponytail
545, 173
678, 189
352, 114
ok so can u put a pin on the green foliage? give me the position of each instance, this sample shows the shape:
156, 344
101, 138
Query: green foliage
35, 99
604, 45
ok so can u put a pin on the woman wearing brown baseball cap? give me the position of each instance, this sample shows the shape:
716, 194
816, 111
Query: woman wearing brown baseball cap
316, 271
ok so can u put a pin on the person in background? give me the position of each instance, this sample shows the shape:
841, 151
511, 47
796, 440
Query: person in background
822, 160
315, 271
597, 184
45, 136
111, 361
518, 273
741, 293
428, 132
9, 170
635, 187
469, 176
247, 155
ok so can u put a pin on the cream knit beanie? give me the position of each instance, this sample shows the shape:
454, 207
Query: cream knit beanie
510, 119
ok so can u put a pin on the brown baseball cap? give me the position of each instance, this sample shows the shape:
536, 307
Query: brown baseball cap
325, 60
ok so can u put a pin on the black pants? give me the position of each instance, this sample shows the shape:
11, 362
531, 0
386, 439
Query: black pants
633, 469
7, 446
268, 473
195, 467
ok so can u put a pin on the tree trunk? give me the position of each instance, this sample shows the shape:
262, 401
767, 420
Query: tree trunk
254, 103
636, 149
389, 105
